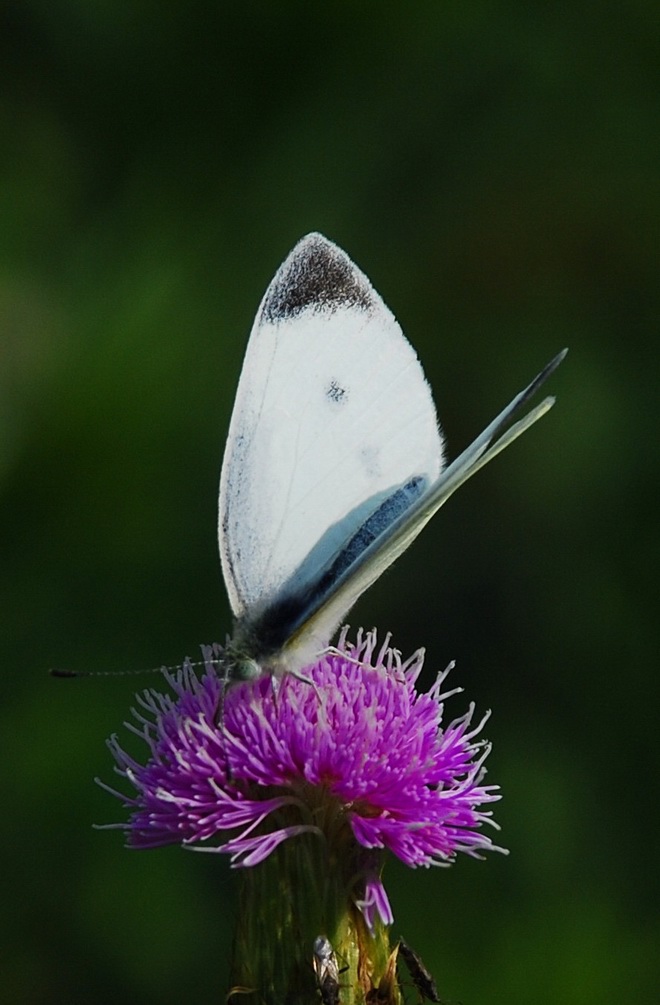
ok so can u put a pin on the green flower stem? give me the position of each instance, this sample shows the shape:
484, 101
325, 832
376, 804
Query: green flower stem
303, 890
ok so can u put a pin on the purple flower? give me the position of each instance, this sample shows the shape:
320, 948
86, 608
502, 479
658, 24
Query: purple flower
358, 757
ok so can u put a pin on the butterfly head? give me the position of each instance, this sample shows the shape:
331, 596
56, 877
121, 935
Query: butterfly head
239, 663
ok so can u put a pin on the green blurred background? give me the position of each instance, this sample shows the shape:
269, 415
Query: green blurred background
494, 168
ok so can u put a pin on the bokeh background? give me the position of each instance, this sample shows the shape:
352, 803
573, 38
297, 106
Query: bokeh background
494, 168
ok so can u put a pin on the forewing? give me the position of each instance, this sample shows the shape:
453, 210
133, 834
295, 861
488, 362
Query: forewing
333, 414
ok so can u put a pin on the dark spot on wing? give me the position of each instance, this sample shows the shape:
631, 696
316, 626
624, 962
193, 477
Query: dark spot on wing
336, 393
316, 276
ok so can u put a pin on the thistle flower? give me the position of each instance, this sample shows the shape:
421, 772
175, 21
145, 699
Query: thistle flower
305, 785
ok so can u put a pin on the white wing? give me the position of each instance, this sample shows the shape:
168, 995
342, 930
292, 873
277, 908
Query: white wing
334, 461
353, 571
333, 417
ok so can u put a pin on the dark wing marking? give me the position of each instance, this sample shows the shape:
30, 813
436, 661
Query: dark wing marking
279, 622
317, 276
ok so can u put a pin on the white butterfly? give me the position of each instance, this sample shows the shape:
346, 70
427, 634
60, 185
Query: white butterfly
334, 459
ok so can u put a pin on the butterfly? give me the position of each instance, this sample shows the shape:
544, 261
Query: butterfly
334, 460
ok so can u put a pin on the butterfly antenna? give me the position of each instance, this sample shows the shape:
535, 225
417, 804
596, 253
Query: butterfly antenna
215, 660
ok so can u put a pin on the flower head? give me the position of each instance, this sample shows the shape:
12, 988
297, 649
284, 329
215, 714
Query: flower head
356, 756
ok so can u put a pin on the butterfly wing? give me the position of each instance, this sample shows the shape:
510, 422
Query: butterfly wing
333, 434
356, 568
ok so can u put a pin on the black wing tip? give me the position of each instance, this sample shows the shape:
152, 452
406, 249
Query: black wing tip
314, 239
318, 276
550, 367
554, 363
541, 378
